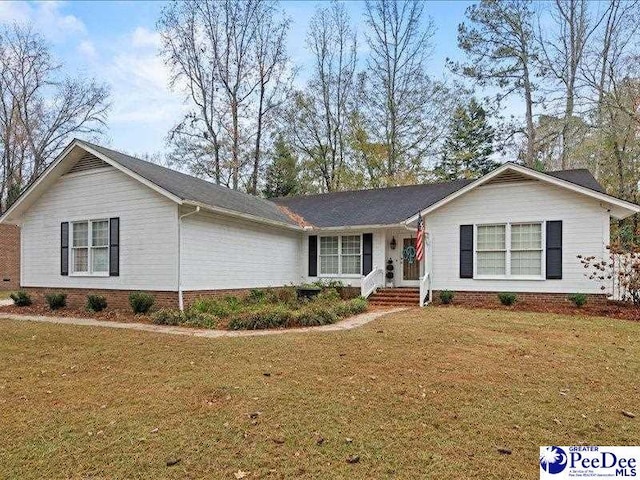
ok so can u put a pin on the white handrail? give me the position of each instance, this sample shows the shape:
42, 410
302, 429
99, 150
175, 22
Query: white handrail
371, 282
425, 290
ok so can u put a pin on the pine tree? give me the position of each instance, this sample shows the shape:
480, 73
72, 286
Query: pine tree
468, 145
282, 173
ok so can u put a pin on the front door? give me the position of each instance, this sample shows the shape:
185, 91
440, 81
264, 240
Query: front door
410, 264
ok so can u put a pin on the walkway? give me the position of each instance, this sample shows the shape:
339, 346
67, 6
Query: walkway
348, 324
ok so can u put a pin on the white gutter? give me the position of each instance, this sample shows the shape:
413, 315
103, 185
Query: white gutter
354, 227
244, 216
180, 299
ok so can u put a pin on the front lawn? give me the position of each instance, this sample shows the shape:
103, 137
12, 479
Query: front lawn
417, 394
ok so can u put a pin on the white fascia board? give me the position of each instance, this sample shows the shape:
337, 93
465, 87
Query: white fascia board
244, 216
624, 208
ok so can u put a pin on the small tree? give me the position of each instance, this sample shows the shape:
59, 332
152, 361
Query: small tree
468, 145
282, 173
620, 270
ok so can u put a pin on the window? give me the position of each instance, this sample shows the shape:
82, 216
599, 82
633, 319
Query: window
526, 249
350, 256
511, 249
90, 247
341, 255
491, 250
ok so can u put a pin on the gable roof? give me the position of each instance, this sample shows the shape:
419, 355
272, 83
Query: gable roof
374, 207
392, 205
179, 187
196, 190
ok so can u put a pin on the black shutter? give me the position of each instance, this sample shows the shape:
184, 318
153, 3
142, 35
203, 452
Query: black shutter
367, 253
313, 255
554, 250
466, 251
114, 247
64, 248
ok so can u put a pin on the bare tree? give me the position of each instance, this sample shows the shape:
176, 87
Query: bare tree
404, 102
319, 117
499, 41
39, 111
230, 59
563, 52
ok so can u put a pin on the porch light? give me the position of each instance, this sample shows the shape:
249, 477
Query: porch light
393, 243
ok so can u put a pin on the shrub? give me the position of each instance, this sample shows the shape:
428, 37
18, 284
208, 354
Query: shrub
21, 298
256, 296
141, 302
96, 303
212, 306
507, 298
358, 305
579, 299
446, 296
327, 295
167, 316
56, 300
191, 318
269, 316
287, 295
328, 284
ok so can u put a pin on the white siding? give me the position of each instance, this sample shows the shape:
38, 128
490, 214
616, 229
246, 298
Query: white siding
585, 231
349, 280
148, 232
222, 253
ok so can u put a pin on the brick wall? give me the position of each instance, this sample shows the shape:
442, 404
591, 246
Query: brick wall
462, 297
116, 299
119, 299
9, 257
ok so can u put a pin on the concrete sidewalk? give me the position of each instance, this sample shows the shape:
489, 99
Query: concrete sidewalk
347, 324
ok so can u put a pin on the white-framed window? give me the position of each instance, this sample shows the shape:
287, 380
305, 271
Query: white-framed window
510, 250
89, 247
340, 255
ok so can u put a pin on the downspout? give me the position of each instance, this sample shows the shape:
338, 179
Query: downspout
180, 298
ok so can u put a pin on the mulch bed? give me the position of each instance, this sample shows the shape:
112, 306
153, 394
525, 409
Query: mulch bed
611, 309
107, 315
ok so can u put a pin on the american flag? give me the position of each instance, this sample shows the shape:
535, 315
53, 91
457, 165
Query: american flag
420, 240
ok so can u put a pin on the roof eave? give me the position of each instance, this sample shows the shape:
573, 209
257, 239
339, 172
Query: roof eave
244, 216
617, 207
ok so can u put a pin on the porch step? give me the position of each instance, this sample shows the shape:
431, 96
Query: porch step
396, 296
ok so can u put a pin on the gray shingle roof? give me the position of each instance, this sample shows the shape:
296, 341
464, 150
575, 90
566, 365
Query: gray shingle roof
381, 206
388, 206
195, 189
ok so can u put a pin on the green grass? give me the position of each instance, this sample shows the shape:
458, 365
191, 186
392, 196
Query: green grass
422, 394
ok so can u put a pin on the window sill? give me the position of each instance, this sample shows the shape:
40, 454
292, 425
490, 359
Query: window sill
506, 277
338, 275
105, 274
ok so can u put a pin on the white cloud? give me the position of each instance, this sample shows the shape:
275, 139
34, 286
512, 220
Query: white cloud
87, 49
46, 18
142, 38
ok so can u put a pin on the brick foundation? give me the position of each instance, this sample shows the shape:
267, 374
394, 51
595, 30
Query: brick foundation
119, 299
9, 257
116, 299
466, 297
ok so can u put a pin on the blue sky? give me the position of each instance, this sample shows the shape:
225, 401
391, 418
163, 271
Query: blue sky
116, 42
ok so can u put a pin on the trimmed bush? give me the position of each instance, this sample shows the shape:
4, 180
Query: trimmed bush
270, 316
507, 298
167, 316
96, 303
56, 300
21, 298
579, 299
446, 296
141, 302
